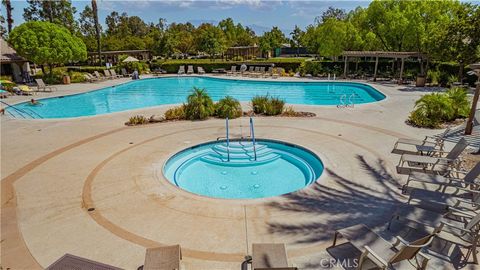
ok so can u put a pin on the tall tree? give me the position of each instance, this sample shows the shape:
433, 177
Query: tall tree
271, 40
331, 13
98, 30
8, 9
59, 12
3, 30
211, 39
296, 35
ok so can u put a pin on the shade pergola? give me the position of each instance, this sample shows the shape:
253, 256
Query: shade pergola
382, 54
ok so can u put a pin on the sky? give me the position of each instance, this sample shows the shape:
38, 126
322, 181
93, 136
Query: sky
285, 14
260, 14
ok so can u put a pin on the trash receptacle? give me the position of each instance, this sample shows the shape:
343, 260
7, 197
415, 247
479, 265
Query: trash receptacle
66, 79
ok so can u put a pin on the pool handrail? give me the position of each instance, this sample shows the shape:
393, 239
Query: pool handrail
228, 140
252, 133
20, 111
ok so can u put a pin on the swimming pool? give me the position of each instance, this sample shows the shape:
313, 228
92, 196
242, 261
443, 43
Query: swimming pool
241, 171
171, 90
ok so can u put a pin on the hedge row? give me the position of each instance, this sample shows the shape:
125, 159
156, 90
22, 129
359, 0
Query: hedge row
173, 66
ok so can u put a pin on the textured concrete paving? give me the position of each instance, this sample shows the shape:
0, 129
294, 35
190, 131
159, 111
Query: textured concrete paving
54, 170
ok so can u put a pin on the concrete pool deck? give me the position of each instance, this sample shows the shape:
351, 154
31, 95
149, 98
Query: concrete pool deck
54, 170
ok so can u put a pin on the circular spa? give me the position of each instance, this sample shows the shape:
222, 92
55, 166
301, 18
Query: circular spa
242, 169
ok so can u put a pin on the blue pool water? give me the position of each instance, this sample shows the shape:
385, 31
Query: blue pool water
280, 168
171, 90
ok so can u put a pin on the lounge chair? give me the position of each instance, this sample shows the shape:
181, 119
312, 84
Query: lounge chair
114, 74
453, 179
89, 78
190, 70
107, 74
200, 70
232, 71
25, 90
427, 145
251, 70
41, 85
463, 230
69, 261
125, 73
98, 76
381, 253
163, 258
181, 70
440, 165
270, 256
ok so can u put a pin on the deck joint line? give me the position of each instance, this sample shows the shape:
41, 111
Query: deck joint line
246, 227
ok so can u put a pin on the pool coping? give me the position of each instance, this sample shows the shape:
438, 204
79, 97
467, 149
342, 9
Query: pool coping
160, 175
295, 80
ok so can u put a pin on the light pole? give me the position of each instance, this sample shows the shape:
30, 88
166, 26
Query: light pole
475, 71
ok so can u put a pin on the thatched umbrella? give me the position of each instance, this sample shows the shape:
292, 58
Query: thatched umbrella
130, 59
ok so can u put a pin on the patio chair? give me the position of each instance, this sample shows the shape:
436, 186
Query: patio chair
439, 165
200, 70
69, 261
270, 257
262, 72
107, 74
163, 258
427, 145
125, 73
453, 179
114, 74
232, 71
98, 76
381, 253
41, 85
89, 78
462, 232
190, 70
251, 70
181, 70
25, 90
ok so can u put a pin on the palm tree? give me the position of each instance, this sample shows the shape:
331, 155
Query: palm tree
97, 30
8, 8
199, 105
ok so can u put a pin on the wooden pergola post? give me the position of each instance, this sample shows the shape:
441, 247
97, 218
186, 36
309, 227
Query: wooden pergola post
375, 71
400, 81
471, 116
345, 68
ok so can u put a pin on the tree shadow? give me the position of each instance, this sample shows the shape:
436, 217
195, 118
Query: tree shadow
347, 203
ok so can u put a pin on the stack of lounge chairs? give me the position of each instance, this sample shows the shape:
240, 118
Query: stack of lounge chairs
443, 207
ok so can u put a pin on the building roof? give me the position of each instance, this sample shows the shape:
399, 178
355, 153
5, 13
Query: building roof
119, 52
8, 54
383, 54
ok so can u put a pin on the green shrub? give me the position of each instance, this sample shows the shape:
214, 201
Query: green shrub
175, 113
267, 105
259, 104
88, 69
76, 77
434, 109
452, 79
274, 106
137, 120
459, 102
228, 107
289, 112
433, 76
310, 67
199, 105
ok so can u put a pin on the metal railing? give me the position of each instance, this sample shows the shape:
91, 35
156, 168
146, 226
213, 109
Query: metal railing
252, 134
21, 112
228, 140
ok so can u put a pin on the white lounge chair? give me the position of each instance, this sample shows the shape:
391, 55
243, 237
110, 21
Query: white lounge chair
181, 70
232, 71
427, 145
41, 85
190, 70
440, 165
200, 70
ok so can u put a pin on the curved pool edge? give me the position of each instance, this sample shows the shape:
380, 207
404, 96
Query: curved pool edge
159, 175
385, 98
